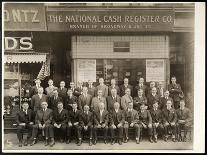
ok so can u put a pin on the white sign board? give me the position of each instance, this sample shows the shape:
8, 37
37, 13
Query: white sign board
86, 70
155, 70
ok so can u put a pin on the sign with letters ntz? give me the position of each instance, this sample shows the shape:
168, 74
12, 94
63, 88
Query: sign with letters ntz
24, 17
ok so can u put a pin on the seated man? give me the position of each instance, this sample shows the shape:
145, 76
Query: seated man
132, 121
169, 120
25, 120
184, 120
157, 121
73, 121
43, 121
146, 121
60, 120
116, 121
101, 120
85, 124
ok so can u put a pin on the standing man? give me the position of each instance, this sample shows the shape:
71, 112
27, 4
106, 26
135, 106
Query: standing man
160, 89
84, 99
126, 99
24, 120
125, 86
149, 89
72, 87
114, 86
43, 121
34, 90
139, 100
62, 91
102, 87
38, 99
50, 88
184, 120
112, 99
79, 89
60, 121
70, 99
116, 121
97, 100
152, 98
169, 120
85, 124
142, 86
54, 99
101, 119
91, 88
131, 121
164, 99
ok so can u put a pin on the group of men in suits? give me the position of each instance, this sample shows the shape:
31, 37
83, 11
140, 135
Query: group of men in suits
62, 112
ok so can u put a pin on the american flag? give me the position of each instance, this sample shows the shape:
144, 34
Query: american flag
45, 70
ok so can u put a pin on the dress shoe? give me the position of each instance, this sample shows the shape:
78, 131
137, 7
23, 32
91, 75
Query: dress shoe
20, 144
25, 143
52, 142
68, 141
155, 140
150, 139
105, 141
184, 139
173, 139
61, 140
90, 142
165, 139
46, 142
94, 142
112, 142
137, 141
33, 142
79, 143
126, 140
120, 142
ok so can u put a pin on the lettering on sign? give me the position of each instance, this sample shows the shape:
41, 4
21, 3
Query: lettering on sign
16, 43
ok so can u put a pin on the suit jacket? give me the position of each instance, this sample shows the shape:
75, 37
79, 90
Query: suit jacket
123, 88
163, 102
138, 101
105, 117
156, 116
131, 118
137, 87
49, 90
116, 118
145, 117
169, 116
36, 102
44, 117
34, 91
78, 91
82, 101
86, 119
125, 100
52, 103
184, 115
151, 99
69, 102
92, 91
117, 89
95, 102
21, 117
74, 117
175, 93
60, 118
63, 94
111, 101
104, 89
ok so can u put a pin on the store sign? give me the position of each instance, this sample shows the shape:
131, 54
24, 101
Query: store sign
155, 70
17, 43
86, 70
110, 20
24, 17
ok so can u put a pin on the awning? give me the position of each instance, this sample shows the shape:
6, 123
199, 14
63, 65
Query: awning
25, 57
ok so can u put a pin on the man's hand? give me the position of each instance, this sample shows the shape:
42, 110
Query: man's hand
156, 124
113, 126
59, 125
181, 121
150, 125
40, 126
31, 123
55, 125
99, 126
76, 123
70, 124
166, 124
103, 125
144, 125
132, 124
43, 126
85, 128
22, 124
172, 123
119, 125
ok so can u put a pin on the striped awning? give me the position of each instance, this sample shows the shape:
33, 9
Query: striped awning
25, 57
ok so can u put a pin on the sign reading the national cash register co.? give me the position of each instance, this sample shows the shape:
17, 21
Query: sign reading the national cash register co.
110, 20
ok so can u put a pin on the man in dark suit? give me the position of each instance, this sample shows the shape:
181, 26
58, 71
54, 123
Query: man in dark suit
151, 98
91, 88
112, 99
54, 99
184, 120
101, 119
72, 87
79, 89
24, 120
139, 100
70, 99
139, 86
43, 121
102, 87
116, 121
38, 99
60, 121
169, 120
85, 124
114, 86
34, 89
84, 99
125, 86
131, 121
157, 121
73, 122
163, 100
62, 92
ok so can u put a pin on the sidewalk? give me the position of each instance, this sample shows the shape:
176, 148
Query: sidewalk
11, 143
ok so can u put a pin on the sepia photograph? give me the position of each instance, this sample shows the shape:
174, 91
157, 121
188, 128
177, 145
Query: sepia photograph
103, 77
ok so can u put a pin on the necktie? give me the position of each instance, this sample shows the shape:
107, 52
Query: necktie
181, 113
101, 120
25, 112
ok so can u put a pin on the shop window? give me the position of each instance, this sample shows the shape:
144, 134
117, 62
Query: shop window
121, 46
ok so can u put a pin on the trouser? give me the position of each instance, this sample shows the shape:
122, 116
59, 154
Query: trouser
149, 129
81, 131
120, 131
104, 130
170, 127
155, 129
136, 127
69, 131
48, 130
184, 126
22, 129
61, 132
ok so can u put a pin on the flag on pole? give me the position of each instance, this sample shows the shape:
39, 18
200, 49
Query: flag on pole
45, 70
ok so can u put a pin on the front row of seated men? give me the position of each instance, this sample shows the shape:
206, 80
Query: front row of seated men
63, 124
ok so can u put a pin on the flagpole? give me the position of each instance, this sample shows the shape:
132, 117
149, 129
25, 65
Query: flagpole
19, 81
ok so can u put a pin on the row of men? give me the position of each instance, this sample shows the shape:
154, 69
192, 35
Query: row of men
62, 121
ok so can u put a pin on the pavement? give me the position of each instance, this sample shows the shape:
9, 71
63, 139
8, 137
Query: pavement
11, 143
